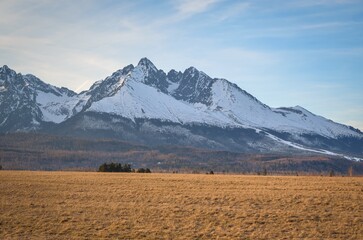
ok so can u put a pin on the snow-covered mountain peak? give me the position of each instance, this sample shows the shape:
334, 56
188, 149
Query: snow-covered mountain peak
137, 92
147, 73
302, 109
193, 86
26, 101
126, 69
147, 65
296, 110
191, 69
123, 71
5, 70
36, 84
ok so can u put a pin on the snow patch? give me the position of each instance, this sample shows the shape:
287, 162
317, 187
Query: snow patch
322, 151
172, 87
137, 100
55, 108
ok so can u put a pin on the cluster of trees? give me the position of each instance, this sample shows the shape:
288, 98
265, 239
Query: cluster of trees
114, 167
143, 170
118, 167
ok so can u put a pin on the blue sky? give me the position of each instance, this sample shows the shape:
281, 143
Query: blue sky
285, 53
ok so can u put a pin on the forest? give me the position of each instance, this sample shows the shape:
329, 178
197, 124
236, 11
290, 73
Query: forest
33, 151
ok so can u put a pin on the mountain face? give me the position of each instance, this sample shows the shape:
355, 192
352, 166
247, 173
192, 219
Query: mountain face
26, 103
146, 105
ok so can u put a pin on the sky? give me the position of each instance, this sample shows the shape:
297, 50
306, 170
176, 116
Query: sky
285, 53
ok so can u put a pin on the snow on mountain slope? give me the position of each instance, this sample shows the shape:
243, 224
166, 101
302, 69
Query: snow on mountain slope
55, 103
299, 120
55, 108
26, 101
238, 105
141, 94
138, 100
209, 111
193, 97
247, 110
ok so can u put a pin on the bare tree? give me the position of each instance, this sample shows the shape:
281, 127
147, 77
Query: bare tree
350, 171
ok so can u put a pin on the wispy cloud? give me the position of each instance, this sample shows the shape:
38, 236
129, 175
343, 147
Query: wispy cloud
71, 53
83, 85
188, 8
267, 47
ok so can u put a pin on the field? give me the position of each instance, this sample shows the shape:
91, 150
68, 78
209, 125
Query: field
73, 205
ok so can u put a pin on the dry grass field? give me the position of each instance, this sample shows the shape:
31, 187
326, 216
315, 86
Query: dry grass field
72, 205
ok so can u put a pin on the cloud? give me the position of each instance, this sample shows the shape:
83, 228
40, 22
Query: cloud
83, 85
188, 8
73, 44
67, 45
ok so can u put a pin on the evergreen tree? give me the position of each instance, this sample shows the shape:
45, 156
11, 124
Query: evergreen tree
114, 167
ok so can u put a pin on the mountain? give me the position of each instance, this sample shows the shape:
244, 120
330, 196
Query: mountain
143, 104
27, 103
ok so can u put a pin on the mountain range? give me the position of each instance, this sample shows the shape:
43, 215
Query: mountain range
145, 105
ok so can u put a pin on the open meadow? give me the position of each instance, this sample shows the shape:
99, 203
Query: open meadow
75, 205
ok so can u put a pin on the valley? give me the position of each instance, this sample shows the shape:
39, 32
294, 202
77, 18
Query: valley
34, 151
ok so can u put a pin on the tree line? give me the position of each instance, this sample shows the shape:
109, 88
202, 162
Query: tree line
118, 167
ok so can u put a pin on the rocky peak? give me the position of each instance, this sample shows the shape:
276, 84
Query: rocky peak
191, 70
5, 70
174, 76
146, 64
195, 87
127, 69
147, 73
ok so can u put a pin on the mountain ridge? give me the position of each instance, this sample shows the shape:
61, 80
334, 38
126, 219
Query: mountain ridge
188, 99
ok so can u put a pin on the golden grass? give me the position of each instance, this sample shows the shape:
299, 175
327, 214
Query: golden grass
73, 205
